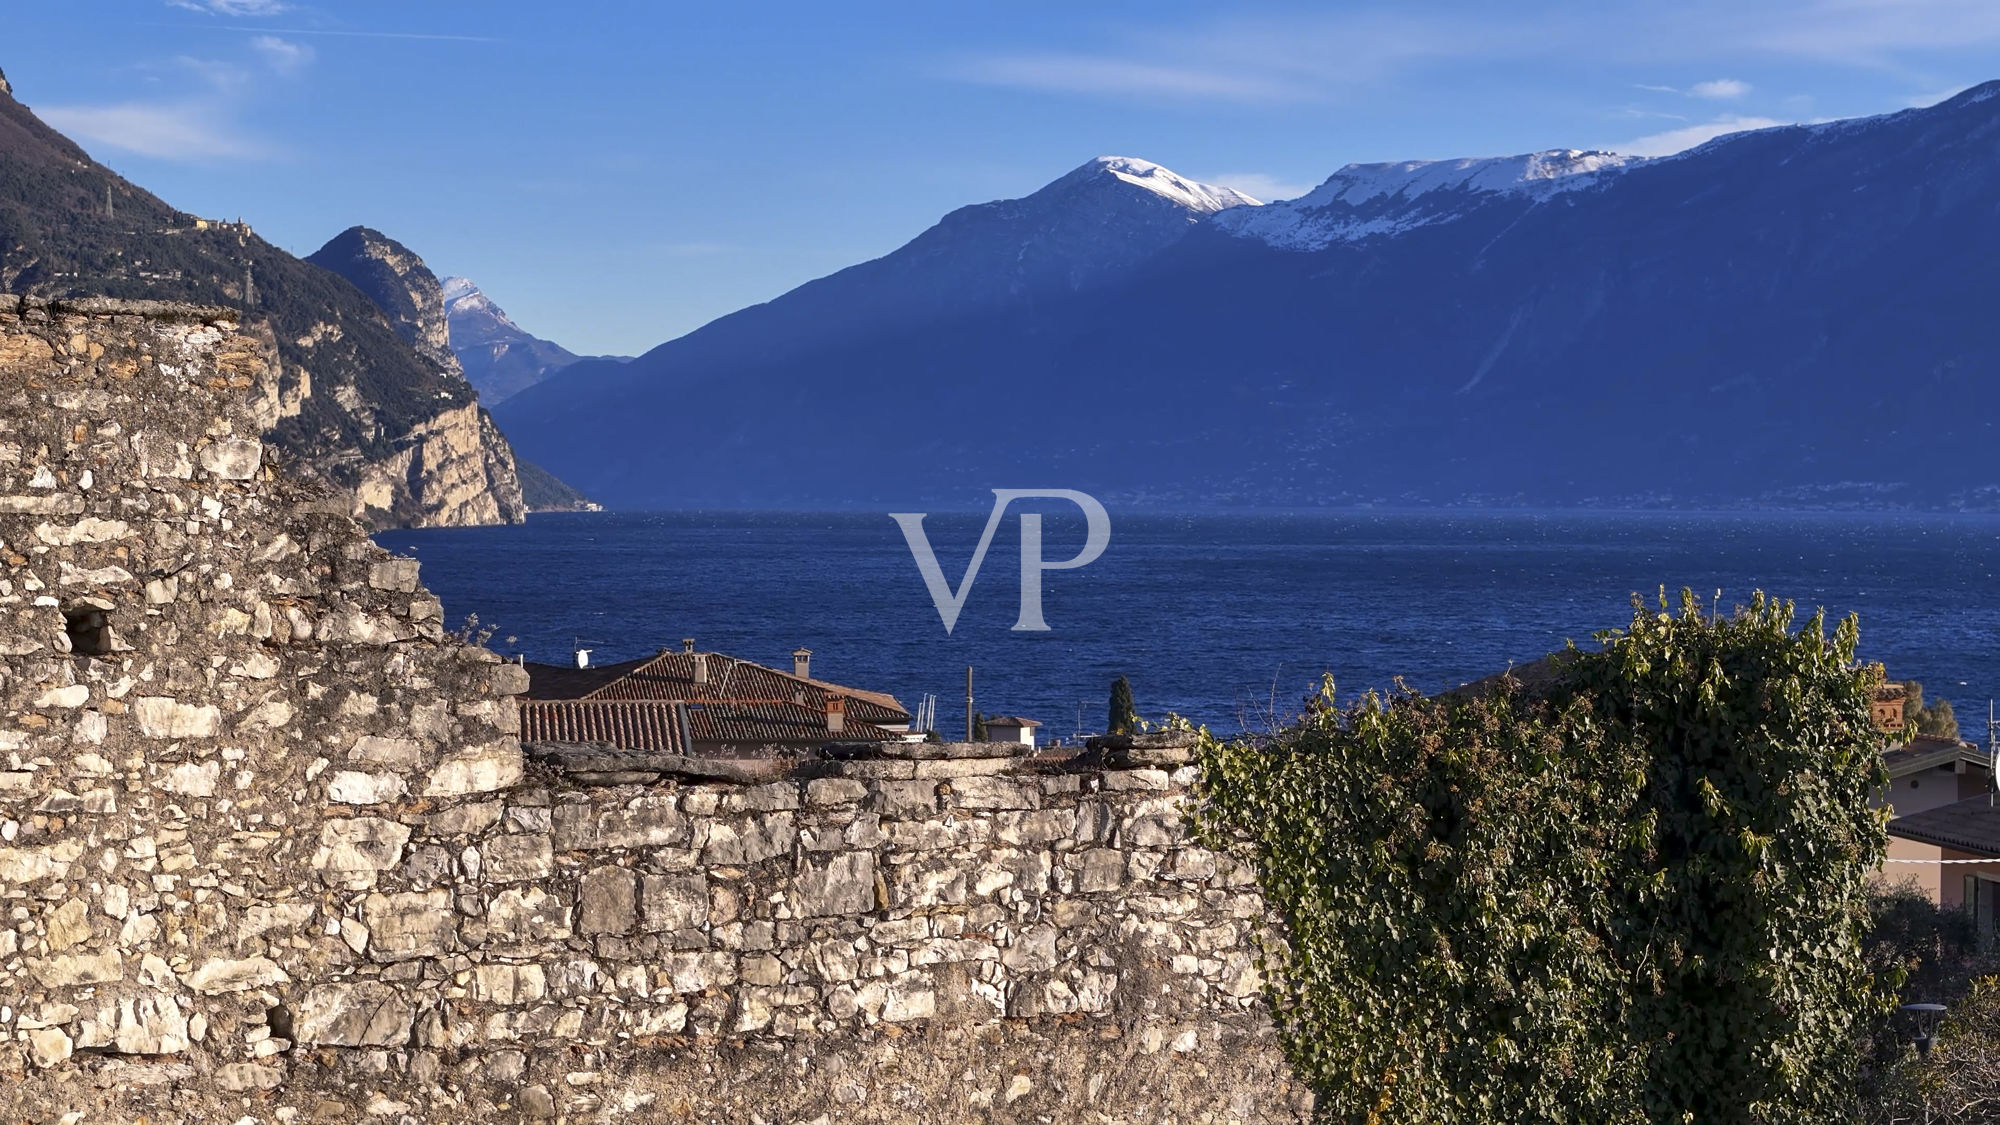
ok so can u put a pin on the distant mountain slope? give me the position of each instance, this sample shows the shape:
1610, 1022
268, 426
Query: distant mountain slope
1795, 316
404, 288
499, 356
362, 409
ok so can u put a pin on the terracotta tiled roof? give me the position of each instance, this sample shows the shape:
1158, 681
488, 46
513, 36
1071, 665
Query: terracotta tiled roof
671, 676
679, 728
765, 722
1971, 825
630, 725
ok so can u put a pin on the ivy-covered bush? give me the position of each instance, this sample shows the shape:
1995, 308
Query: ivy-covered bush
1621, 886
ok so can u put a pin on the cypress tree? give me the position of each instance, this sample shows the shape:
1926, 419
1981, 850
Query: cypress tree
1124, 719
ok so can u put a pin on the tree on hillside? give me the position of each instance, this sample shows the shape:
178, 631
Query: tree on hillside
1625, 886
1934, 719
978, 727
1124, 719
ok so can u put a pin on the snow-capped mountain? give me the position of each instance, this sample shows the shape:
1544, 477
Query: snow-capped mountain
500, 357
1792, 316
1365, 200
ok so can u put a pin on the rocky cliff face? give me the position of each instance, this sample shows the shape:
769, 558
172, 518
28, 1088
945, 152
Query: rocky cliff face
360, 404
458, 460
271, 849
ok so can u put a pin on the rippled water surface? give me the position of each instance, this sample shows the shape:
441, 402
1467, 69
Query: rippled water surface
1208, 615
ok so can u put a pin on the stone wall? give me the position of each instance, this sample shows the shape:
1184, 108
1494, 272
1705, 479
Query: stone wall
271, 852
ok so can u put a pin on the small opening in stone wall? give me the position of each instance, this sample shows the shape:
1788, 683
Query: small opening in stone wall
89, 629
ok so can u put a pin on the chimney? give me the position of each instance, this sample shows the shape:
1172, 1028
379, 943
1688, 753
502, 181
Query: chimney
836, 714
802, 663
583, 658
687, 644
701, 667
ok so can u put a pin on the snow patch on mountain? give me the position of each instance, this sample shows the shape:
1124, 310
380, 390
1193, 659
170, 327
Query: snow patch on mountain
1368, 200
1164, 182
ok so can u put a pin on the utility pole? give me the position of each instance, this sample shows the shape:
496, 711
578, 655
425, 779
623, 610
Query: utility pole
968, 703
1992, 751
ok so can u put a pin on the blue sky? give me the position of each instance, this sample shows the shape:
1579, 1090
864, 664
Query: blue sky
615, 174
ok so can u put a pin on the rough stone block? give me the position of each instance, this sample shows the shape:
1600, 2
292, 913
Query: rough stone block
408, 924
365, 1014
518, 858
646, 822
232, 458
606, 904
673, 902
481, 769
353, 853
160, 717
843, 884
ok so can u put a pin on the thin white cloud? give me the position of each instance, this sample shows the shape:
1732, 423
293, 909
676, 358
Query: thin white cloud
1680, 140
1086, 74
282, 55
185, 131
1308, 59
238, 9
1258, 185
1720, 89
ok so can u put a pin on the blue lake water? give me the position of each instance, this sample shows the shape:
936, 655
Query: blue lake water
1212, 615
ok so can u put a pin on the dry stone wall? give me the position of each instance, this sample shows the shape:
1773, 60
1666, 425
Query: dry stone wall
271, 852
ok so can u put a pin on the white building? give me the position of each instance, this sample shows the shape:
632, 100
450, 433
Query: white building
1011, 728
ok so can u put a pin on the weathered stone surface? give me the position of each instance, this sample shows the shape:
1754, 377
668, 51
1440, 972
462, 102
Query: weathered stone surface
607, 901
232, 458
220, 975
134, 1023
271, 851
408, 924
353, 853
645, 822
352, 787
512, 859
353, 1015
844, 884
160, 717
481, 769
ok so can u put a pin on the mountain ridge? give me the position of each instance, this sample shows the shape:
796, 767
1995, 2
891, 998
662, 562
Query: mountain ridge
1758, 321
360, 408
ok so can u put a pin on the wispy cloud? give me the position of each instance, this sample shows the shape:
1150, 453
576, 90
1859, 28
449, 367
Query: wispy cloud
1316, 59
1086, 74
1720, 89
1687, 137
234, 8
184, 131
1265, 188
282, 55
341, 34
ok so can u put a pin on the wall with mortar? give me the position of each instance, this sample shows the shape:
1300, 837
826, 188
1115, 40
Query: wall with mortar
270, 851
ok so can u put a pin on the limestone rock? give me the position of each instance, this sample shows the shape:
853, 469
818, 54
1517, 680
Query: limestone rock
353, 853
606, 903
481, 769
232, 458
365, 1014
